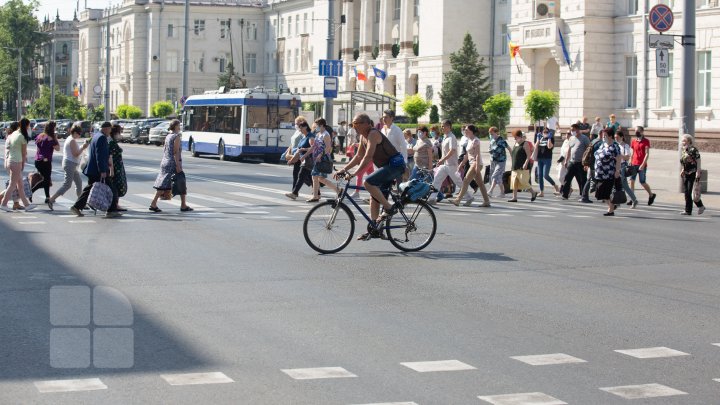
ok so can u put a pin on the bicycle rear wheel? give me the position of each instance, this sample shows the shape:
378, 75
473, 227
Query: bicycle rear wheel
328, 228
412, 228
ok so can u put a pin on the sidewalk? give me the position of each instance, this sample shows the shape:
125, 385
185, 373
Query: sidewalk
663, 175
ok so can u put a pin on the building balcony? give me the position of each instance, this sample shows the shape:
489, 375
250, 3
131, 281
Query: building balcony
541, 33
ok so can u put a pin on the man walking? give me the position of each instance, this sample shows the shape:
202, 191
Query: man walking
97, 170
640, 155
448, 163
573, 161
498, 145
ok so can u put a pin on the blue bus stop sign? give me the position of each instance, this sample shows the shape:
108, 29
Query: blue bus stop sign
330, 89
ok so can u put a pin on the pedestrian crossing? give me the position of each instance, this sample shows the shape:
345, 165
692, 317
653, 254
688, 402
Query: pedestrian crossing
310, 377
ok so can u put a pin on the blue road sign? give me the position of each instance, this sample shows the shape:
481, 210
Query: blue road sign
330, 67
330, 89
661, 18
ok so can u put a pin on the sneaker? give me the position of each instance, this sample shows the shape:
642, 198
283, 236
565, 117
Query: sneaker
30, 207
634, 203
469, 201
534, 196
609, 214
440, 197
685, 213
77, 212
701, 210
585, 200
50, 205
6, 208
651, 200
291, 196
355, 195
631, 202
112, 214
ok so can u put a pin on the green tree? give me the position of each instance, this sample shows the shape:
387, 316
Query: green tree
72, 109
497, 109
465, 87
65, 106
122, 110
97, 114
415, 106
541, 104
18, 30
134, 112
434, 116
162, 109
230, 79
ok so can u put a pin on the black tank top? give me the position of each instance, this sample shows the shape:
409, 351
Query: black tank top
383, 151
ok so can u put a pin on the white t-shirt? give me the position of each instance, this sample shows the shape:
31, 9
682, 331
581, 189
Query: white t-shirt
473, 151
67, 150
450, 143
395, 135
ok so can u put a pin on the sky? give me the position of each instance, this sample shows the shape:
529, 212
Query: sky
66, 7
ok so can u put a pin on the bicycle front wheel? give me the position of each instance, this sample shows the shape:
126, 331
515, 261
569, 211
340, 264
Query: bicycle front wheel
413, 227
328, 227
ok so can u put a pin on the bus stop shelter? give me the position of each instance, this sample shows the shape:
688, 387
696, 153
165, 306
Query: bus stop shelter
348, 103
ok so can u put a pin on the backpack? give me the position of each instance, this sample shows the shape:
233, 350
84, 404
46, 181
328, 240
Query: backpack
588, 158
415, 189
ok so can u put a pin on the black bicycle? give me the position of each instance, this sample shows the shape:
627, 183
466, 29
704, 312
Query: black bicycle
330, 225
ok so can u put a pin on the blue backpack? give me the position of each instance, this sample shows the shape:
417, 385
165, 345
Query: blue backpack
415, 189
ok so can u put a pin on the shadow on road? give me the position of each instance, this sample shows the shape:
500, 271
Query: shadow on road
498, 257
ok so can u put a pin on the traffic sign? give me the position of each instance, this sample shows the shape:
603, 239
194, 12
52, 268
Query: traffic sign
330, 67
661, 18
183, 99
330, 89
662, 62
661, 41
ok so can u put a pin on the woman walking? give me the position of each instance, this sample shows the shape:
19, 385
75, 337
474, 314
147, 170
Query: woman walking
422, 153
625, 154
70, 164
170, 165
561, 168
46, 143
304, 160
321, 151
691, 170
15, 157
607, 169
474, 172
118, 177
520, 178
544, 151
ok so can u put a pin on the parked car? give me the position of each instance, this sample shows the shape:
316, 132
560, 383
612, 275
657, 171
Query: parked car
160, 132
37, 129
145, 125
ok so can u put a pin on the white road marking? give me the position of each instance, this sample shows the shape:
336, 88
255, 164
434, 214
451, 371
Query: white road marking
542, 216
225, 201
459, 214
716, 379
276, 217
548, 359
391, 403
298, 211
441, 365
88, 384
177, 204
83, 221
643, 391
580, 216
267, 199
196, 378
499, 215
268, 175
528, 398
24, 217
716, 344
318, 373
31, 223
652, 353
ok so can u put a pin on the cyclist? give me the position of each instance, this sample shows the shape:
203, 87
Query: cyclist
375, 148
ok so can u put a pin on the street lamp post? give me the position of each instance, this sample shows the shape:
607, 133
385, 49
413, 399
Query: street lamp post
52, 77
19, 81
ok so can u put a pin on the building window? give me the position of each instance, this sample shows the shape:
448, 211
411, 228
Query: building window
297, 24
305, 23
396, 11
289, 61
312, 23
669, 3
267, 31
666, 85
504, 40
199, 27
290, 26
171, 94
250, 63
171, 31
502, 86
197, 90
631, 82
297, 60
224, 29
223, 62
282, 27
252, 32
171, 61
704, 74
632, 7
416, 8
377, 11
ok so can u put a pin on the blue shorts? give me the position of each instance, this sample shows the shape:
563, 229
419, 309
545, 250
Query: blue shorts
384, 177
642, 173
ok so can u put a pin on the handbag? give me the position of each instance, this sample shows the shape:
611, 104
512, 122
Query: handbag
26, 187
697, 190
486, 177
179, 184
618, 194
631, 171
324, 165
35, 178
100, 197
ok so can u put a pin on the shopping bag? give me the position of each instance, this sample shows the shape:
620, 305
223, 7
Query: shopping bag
26, 187
100, 197
179, 184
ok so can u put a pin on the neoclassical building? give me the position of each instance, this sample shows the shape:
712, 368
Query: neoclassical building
63, 36
612, 68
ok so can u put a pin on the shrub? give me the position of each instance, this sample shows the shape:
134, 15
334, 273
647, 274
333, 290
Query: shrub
162, 109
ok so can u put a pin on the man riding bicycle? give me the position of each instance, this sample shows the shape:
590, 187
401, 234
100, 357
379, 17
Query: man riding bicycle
375, 148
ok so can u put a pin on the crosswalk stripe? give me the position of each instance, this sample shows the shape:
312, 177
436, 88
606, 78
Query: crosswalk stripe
175, 203
267, 199
219, 200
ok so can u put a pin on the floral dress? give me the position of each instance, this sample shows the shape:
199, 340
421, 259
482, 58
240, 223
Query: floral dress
167, 165
689, 159
119, 178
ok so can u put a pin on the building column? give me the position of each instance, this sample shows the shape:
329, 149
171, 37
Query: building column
348, 33
407, 18
385, 32
366, 29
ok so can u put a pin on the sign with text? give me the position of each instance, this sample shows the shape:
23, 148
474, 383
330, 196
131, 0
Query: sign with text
662, 62
330, 89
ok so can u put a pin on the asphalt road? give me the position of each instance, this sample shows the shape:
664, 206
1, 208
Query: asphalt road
232, 289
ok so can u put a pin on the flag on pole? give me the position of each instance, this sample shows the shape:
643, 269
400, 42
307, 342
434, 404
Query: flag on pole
566, 55
514, 48
379, 73
360, 75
